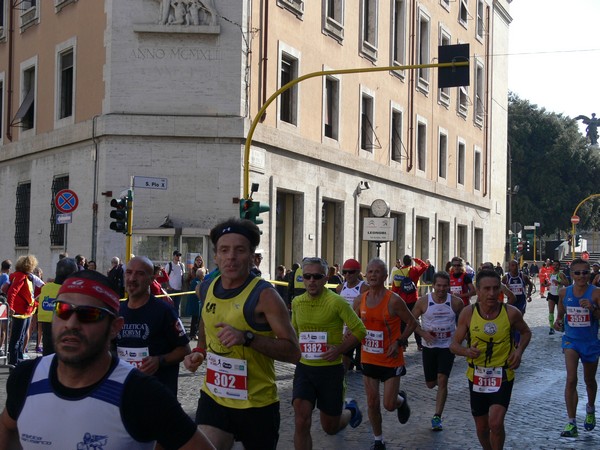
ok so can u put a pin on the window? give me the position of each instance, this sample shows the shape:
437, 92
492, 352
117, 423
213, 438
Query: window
480, 19
66, 84
442, 154
3, 15
396, 145
60, 4
29, 13
369, 28
444, 93
477, 170
332, 108
460, 176
423, 50
57, 231
445, 4
399, 33
463, 13
463, 100
421, 146
334, 18
294, 6
367, 132
22, 209
1, 106
25, 115
288, 105
479, 104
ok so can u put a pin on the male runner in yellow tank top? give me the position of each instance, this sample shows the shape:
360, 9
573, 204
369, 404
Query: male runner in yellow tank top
245, 325
491, 356
319, 316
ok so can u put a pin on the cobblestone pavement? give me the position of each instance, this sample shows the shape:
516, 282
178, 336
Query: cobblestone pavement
534, 420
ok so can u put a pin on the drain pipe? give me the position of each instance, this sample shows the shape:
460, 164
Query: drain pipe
95, 193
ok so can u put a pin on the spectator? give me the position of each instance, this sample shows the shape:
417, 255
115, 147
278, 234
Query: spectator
115, 276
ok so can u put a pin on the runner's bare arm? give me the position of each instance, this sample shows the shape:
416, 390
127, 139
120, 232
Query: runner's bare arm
461, 333
518, 324
8, 432
195, 359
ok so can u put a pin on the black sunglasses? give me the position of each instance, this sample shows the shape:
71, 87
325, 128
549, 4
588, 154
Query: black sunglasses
313, 276
349, 271
85, 314
581, 272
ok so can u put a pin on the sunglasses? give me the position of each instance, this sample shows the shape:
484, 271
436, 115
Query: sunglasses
313, 276
456, 265
349, 271
85, 314
581, 272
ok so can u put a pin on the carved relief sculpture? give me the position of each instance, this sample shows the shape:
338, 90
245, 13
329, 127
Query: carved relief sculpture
188, 12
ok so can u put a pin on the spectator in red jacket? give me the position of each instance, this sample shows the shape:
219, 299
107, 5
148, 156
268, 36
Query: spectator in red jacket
21, 304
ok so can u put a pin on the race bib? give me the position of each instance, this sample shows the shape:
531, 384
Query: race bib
227, 377
487, 380
442, 333
578, 317
313, 344
456, 290
133, 355
517, 289
373, 342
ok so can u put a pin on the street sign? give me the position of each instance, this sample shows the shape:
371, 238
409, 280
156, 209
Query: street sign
378, 229
66, 201
575, 220
61, 219
150, 183
529, 227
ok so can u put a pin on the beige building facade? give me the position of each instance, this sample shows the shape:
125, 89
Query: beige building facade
97, 92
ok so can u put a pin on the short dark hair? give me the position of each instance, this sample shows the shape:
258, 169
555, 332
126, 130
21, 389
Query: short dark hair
64, 268
6, 264
406, 260
245, 227
441, 274
486, 273
580, 261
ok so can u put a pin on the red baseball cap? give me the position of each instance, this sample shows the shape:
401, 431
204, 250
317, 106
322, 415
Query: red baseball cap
351, 264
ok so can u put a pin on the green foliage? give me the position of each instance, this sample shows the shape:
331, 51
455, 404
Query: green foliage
554, 168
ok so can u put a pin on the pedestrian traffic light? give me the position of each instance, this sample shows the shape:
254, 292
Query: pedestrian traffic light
528, 246
577, 240
250, 209
120, 214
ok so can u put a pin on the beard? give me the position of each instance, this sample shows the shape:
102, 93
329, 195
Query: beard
91, 349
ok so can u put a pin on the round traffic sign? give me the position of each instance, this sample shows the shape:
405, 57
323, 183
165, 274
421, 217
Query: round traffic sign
575, 220
66, 201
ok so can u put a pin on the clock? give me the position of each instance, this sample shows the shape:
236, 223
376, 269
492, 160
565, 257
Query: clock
380, 208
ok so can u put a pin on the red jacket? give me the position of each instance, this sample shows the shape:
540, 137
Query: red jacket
20, 294
414, 273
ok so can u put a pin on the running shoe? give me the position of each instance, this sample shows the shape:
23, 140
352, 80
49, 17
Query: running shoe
551, 331
404, 409
356, 417
436, 423
378, 445
590, 421
570, 431
39, 349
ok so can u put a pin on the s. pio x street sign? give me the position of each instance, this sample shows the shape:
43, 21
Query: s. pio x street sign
66, 201
149, 183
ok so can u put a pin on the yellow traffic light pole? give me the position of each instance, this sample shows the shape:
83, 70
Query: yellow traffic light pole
573, 224
322, 73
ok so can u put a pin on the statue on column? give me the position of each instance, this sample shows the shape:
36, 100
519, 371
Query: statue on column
592, 127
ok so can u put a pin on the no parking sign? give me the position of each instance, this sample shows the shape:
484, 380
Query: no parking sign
66, 201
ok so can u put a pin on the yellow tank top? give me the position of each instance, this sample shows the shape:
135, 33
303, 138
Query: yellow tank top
47, 296
494, 340
237, 377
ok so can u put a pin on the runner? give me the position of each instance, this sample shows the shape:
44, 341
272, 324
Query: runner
318, 316
244, 326
580, 304
491, 356
556, 280
381, 311
438, 312
461, 284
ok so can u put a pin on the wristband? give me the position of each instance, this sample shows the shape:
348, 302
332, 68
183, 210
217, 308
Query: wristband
199, 350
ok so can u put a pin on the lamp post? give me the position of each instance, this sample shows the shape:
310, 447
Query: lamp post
510, 191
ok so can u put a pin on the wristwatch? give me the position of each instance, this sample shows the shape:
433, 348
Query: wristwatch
248, 338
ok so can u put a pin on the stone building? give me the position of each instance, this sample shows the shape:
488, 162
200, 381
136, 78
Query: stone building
97, 92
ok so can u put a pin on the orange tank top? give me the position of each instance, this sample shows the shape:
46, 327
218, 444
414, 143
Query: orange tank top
382, 330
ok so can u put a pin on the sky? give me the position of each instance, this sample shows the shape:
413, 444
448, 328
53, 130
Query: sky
554, 48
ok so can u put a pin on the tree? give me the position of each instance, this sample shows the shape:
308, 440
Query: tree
553, 167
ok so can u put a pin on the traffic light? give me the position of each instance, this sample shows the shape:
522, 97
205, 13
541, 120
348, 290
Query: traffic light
577, 240
514, 240
527, 246
250, 209
120, 214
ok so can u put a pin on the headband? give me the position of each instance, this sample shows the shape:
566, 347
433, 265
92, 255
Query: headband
92, 288
237, 229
